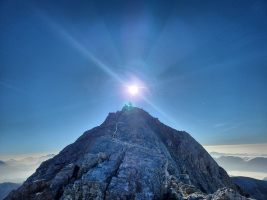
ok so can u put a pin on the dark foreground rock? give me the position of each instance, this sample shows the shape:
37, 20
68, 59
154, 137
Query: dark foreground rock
7, 187
254, 188
130, 156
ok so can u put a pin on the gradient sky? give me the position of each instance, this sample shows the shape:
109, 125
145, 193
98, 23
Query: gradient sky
64, 65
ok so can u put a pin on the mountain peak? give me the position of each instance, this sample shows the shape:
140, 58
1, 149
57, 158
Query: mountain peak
131, 155
128, 112
130, 109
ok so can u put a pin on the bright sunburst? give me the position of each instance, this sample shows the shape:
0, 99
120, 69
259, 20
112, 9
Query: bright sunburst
133, 90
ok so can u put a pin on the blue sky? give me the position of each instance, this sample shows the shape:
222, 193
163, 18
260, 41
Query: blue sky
64, 63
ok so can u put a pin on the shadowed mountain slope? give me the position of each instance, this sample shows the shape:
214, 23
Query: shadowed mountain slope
6, 187
255, 188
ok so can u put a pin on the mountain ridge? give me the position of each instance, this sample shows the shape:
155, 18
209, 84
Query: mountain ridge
131, 155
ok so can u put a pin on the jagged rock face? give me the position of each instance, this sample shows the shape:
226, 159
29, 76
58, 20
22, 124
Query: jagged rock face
131, 156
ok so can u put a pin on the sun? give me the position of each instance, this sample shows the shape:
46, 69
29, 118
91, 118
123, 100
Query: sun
133, 90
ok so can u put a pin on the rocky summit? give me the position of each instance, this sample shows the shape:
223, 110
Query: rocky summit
131, 155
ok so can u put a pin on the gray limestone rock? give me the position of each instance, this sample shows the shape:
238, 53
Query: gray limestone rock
131, 155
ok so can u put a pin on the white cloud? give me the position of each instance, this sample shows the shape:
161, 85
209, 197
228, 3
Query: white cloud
17, 170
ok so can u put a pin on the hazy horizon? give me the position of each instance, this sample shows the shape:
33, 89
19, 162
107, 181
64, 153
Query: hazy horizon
23, 165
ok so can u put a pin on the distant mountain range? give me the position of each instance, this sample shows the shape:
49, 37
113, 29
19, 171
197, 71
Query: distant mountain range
245, 156
231, 163
2, 163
